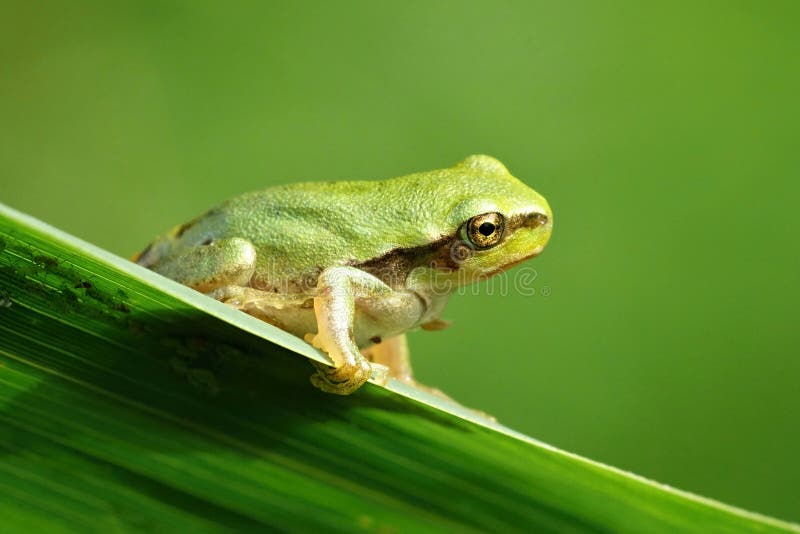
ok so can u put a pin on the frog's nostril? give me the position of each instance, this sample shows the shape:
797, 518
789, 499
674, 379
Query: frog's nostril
537, 219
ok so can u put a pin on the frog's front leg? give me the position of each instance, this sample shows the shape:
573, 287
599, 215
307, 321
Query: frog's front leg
338, 289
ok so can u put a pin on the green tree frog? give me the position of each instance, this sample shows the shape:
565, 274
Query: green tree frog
352, 266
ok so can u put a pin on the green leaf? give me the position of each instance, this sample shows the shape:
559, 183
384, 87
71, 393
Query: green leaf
129, 402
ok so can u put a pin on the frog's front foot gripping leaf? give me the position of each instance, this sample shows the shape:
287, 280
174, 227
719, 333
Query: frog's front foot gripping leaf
351, 371
334, 307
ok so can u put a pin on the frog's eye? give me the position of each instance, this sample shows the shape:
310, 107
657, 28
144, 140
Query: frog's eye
486, 230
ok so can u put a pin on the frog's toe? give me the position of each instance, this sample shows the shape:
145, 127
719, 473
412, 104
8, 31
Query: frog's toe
342, 380
379, 373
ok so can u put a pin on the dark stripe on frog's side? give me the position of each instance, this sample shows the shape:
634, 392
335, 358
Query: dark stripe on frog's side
393, 267
154, 252
178, 231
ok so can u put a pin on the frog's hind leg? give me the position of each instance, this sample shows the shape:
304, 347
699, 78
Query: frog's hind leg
221, 269
207, 267
394, 354
264, 305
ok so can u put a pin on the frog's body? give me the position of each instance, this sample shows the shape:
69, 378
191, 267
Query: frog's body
352, 264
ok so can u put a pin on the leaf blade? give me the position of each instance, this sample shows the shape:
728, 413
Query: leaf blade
111, 373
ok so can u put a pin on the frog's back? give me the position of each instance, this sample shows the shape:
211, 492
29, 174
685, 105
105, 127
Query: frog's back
302, 228
305, 227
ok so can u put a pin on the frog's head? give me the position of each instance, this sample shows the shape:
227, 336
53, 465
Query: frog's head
500, 221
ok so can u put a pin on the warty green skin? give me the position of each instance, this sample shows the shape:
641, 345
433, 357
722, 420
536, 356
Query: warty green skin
346, 264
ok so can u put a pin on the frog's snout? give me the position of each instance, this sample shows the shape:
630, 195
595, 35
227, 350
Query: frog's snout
537, 219
541, 223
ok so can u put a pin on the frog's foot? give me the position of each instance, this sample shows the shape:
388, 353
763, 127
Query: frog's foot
350, 372
442, 395
233, 296
436, 392
250, 300
393, 353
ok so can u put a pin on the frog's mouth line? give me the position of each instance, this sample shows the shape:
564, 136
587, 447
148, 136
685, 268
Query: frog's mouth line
538, 250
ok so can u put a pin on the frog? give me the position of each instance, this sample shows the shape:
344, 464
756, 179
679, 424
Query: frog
352, 266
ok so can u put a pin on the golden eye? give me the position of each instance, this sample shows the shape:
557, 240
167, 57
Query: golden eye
486, 230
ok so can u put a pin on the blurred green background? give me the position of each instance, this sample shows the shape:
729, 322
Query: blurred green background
664, 135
